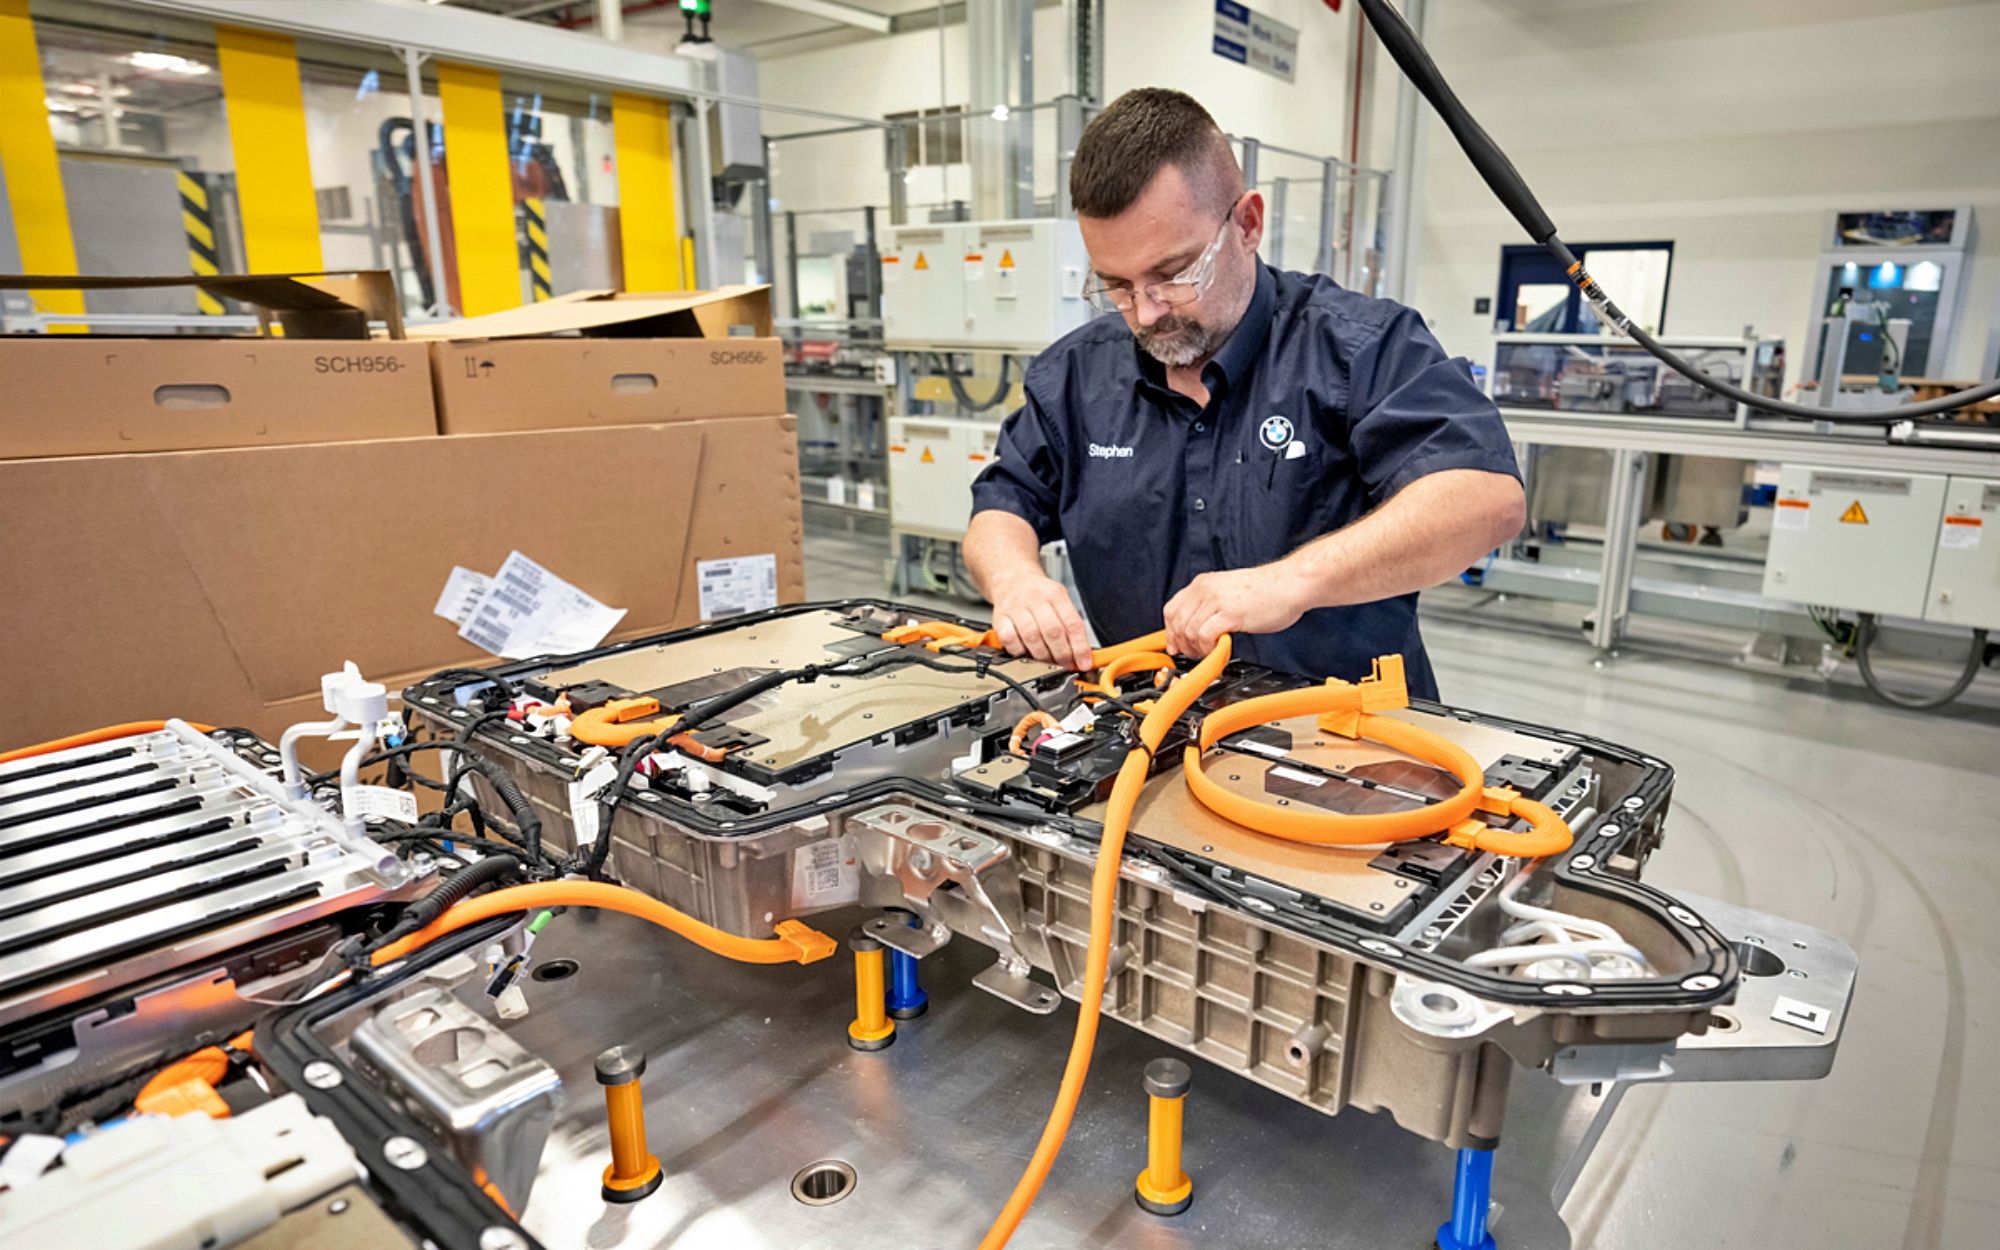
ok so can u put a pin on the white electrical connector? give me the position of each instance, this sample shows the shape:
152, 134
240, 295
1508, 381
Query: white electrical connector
1548, 944
129, 1186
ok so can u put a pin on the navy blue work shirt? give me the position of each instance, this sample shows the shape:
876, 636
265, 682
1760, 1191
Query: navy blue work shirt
1322, 404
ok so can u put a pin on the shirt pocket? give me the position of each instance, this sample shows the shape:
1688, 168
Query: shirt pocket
1292, 495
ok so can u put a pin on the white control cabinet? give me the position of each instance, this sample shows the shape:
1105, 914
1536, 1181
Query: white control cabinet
1014, 285
1965, 577
1023, 282
923, 284
1860, 540
932, 461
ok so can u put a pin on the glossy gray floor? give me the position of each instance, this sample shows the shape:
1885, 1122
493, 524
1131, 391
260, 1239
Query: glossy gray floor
1880, 826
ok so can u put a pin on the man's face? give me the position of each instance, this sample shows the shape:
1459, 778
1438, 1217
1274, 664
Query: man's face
1163, 233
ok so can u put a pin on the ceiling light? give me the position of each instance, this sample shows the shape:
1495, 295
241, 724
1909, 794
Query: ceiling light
166, 62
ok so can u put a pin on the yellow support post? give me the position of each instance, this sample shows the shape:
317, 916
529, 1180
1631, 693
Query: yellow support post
648, 223
267, 135
872, 1028
482, 189
1163, 1188
28, 159
634, 1171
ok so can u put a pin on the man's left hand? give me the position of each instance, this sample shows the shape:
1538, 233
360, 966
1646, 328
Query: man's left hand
1262, 600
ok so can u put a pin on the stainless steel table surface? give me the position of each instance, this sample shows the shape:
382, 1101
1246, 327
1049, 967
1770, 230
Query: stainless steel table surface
751, 1080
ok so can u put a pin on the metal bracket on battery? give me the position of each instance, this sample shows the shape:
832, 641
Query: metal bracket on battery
923, 853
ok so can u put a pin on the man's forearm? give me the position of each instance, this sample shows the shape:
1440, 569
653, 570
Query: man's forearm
1000, 547
1429, 532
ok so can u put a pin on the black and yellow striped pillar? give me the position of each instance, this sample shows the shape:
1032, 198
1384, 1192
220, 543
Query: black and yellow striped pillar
536, 253
198, 222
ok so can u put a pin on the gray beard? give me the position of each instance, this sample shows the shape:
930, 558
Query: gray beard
1181, 344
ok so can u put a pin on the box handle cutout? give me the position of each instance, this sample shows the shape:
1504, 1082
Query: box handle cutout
178, 396
633, 383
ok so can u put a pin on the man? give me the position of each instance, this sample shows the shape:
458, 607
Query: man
1244, 450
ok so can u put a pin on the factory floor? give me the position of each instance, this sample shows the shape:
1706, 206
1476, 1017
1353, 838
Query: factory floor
1809, 802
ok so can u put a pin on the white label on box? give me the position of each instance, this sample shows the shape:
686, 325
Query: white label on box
1961, 533
836, 490
381, 803
975, 266
826, 874
462, 592
1260, 748
737, 585
583, 801
864, 496
1792, 514
530, 611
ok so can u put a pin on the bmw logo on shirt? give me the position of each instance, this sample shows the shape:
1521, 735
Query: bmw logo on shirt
1275, 433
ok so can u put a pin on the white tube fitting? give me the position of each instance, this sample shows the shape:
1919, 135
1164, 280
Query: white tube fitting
288, 751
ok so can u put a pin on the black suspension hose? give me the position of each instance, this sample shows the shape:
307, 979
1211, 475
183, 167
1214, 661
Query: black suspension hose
526, 822
714, 708
1512, 190
459, 886
1864, 646
591, 862
978, 668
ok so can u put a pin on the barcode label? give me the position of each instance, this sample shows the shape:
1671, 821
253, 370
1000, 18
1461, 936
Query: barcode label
737, 585
826, 874
463, 592
527, 610
381, 803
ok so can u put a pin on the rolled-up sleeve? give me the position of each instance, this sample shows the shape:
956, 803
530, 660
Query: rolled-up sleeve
1415, 411
1025, 475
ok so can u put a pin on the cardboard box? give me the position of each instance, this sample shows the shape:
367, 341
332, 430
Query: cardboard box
219, 585
603, 358
77, 394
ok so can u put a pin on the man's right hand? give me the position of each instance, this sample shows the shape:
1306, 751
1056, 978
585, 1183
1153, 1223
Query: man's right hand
1034, 616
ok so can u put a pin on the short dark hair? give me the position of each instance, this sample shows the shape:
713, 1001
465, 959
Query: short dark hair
1139, 134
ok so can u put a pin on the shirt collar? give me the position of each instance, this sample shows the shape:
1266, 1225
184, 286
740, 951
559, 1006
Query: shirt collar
1239, 351
1246, 342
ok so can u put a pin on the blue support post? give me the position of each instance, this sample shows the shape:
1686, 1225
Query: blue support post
1471, 1198
906, 998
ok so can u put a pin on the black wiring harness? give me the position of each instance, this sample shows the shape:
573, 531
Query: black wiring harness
1507, 185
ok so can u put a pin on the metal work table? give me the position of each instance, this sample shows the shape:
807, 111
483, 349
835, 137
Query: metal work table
1630, 440
751, 1081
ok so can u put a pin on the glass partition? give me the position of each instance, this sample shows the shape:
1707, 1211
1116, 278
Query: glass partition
142, 145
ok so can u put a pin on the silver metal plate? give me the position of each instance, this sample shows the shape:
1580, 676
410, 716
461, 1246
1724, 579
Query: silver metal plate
123, 859
799, 721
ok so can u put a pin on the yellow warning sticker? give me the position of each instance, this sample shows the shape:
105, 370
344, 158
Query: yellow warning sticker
1006, 258
1854, 514
928, 457
921, 262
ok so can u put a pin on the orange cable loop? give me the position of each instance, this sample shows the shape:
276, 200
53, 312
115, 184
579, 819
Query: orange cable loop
617, 723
